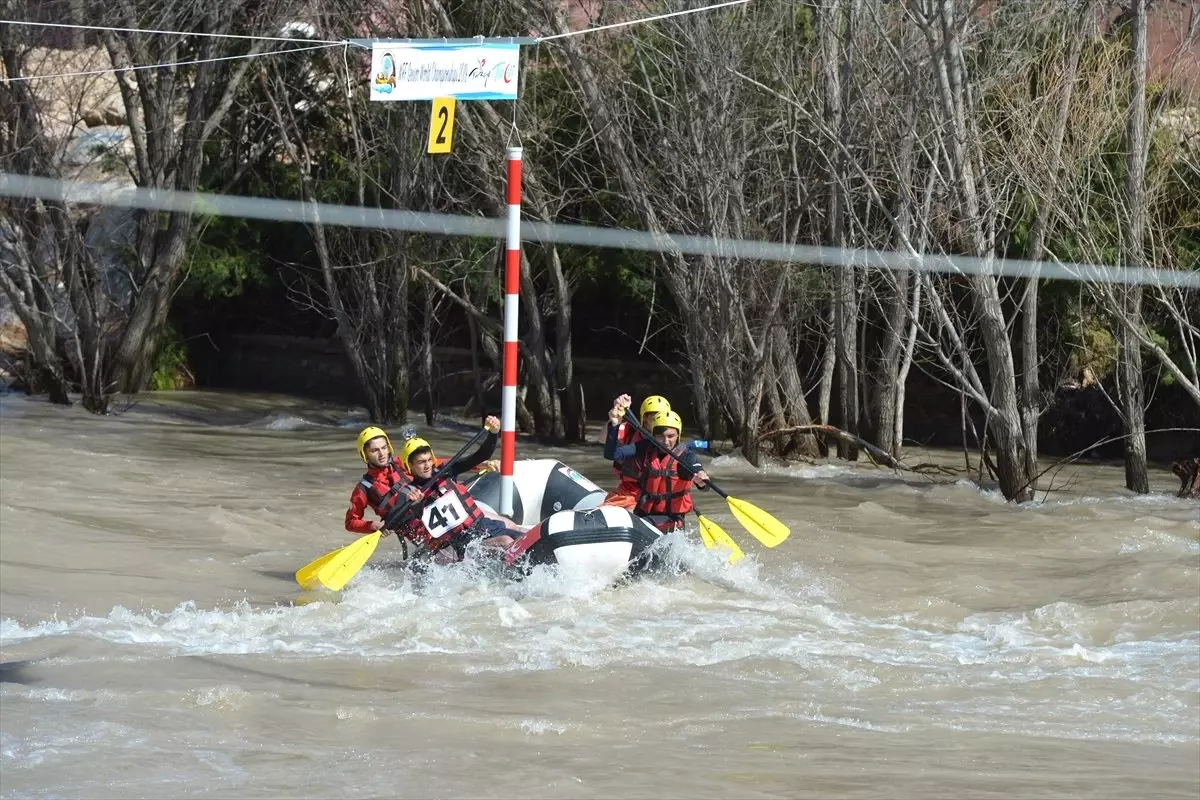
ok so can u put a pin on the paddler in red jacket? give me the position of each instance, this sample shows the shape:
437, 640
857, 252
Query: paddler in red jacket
665, 481
382, 486
625, 495
442, 514
387, 478
409, 433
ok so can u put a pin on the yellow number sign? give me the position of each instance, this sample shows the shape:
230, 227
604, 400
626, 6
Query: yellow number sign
441, 125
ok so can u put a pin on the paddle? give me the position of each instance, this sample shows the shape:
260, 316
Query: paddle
334, 570
715, 538
761, 525
306, 576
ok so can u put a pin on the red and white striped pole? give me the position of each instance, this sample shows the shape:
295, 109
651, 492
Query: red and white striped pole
512, 291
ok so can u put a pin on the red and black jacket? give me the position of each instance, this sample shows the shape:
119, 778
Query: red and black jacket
381, 489
447, 512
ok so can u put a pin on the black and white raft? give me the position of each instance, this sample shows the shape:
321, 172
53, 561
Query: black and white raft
569, 526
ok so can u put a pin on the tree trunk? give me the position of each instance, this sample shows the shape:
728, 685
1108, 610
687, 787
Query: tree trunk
887, 388
1132, 399
835, 30
1030, 401
914, 311
1188, 473
542, 371
846, 338
791, 390
369, 302
828, 365
977, 219
570, 400
43, 367
29, 228
476, 372
886, 385
539, 370
427, 351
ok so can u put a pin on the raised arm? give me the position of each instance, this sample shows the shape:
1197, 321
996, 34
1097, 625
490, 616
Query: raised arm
485, 451
612, 438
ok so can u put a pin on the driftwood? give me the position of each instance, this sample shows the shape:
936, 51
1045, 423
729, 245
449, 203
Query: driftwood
1189, 477
876, 454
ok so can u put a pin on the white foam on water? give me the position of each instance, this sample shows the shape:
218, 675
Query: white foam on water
356, 714
26, 752
696, 613
672, 619
1152, 540
536, 727
286, 422
353, 419
52, 695
852, 722
736, 465
226, 697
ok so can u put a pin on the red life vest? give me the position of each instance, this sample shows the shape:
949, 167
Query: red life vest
385, 488
629, 470
661, 490
446, 513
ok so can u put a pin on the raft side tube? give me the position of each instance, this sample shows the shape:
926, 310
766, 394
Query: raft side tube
601, 543
541, 486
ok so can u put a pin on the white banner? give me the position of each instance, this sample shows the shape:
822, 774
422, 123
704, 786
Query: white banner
425, 70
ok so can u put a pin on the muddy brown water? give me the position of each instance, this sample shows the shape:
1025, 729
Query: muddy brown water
911, 638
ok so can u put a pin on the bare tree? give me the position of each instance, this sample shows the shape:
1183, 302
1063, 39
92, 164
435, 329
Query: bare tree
836, 22
1148, 199
364, 273
173, 112
53, 280
1052, 168
1133, 255
675, 137
973, 196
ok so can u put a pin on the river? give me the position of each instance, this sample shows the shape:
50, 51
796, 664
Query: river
912, 638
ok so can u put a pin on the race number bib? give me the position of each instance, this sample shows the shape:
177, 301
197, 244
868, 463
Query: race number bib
443, 515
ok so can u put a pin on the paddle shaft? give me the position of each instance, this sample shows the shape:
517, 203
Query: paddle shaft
403, 507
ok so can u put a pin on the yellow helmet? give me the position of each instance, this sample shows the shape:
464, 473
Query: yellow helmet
366, 435
411, 446
655, 403
666, 419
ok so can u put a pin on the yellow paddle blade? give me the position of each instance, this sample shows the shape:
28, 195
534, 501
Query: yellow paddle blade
761, 525
306, 576
341, 565
716, 539
338, 572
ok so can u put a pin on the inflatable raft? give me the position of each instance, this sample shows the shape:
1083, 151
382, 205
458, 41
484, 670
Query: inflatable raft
569, 526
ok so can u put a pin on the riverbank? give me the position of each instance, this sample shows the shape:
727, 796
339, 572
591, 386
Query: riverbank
1077, 419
